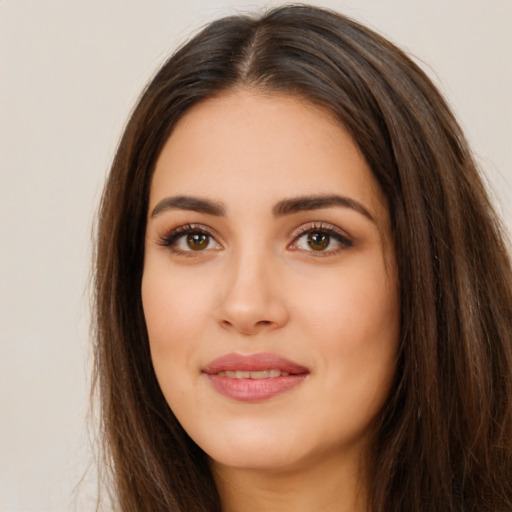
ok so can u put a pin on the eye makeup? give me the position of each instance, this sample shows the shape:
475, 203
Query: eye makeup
315, 238
321, 239
189, 239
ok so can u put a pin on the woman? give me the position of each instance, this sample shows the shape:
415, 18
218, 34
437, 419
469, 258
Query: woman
303, 297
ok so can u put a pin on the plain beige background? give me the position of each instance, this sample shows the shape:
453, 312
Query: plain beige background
70, 72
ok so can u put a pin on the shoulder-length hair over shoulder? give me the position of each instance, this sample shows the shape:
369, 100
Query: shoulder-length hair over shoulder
443, 441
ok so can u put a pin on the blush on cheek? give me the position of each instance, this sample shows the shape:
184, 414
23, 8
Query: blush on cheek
164, 302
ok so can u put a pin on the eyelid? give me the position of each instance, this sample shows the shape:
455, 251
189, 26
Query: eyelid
168, 239
339, 234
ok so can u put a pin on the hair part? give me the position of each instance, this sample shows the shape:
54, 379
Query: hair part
444, 439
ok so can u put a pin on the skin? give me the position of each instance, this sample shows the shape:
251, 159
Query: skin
258, 286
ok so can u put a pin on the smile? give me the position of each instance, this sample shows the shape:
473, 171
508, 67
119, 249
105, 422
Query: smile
262, 374
255, 377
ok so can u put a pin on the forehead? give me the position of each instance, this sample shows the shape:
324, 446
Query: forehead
260, 147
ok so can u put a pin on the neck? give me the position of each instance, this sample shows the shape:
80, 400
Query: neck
313, 487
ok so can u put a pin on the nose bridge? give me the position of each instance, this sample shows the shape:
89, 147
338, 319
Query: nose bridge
251, 300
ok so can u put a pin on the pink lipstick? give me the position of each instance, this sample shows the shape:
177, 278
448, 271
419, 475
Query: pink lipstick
254, 377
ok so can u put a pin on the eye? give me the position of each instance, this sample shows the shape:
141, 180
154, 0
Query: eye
193, 242
189, 239
320, 239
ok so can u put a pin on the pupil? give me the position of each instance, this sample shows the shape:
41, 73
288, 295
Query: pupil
318, 241
197, 241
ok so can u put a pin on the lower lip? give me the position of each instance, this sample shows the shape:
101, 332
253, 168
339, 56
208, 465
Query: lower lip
254, 390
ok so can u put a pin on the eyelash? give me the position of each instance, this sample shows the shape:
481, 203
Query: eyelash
326, 229
169, 240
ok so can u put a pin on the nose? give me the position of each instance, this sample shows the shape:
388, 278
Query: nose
252, 296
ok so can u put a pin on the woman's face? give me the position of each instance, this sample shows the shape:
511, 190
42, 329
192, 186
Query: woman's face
269, 287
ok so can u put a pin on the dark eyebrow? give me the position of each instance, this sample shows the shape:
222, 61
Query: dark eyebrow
298, 204
285, 207
195, 204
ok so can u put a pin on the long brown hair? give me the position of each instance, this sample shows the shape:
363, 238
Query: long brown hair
444, 439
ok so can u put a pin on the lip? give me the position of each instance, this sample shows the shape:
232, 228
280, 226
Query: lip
252, 390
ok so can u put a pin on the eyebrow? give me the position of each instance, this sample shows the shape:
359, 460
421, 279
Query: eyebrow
298, 204
195, 204
284, 207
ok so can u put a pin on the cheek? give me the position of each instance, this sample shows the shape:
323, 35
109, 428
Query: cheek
359, 305
175, 304
173, 313
356, 325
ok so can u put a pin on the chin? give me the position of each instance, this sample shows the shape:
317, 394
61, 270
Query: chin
255, 458
252, 448
259, 447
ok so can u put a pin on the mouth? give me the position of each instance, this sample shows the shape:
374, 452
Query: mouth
255, 377
262, 374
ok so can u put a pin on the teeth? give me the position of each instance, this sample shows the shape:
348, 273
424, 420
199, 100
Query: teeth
261, 374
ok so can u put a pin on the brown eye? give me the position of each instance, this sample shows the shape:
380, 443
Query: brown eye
318, 241
189, 239
197, 241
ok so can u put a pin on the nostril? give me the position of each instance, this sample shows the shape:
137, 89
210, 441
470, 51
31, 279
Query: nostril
246, 328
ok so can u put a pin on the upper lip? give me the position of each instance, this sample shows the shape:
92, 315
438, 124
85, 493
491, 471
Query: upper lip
253, 363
